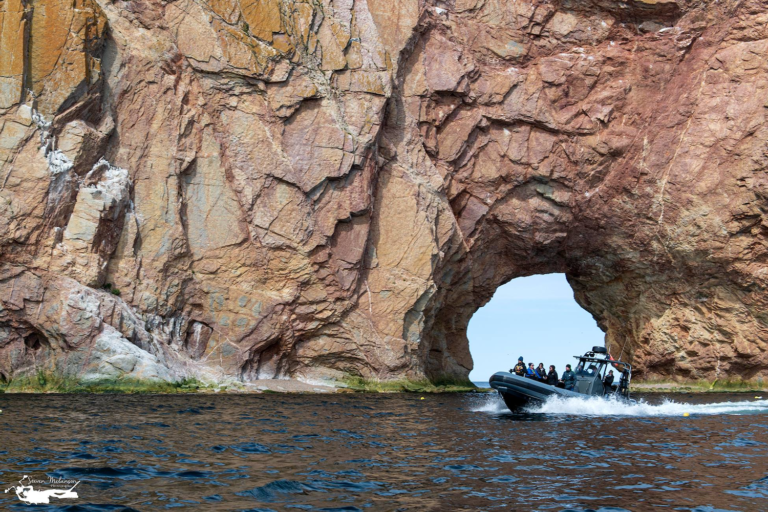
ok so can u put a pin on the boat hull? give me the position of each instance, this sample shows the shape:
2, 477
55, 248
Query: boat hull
519, 392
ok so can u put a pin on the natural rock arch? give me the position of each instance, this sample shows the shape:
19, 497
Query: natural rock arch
599, 163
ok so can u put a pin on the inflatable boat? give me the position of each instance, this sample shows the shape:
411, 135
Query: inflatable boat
518, 391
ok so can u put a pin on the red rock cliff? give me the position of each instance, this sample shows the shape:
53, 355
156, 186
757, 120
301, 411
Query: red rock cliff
265, 188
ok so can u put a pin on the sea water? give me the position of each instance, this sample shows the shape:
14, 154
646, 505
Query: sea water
367, 452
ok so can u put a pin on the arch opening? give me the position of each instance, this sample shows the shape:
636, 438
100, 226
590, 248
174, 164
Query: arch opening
535, 317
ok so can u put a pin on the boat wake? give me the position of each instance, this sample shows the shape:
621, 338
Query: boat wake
599, 406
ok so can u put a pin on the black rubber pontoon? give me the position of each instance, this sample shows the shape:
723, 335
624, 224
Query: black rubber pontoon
518, 392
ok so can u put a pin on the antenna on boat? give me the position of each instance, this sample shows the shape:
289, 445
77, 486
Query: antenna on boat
622, 347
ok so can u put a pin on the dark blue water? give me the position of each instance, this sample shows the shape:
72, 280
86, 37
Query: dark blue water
383, 453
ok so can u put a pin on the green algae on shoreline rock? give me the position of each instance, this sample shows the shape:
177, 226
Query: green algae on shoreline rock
45, 383
48, 383
701, 386
410, 386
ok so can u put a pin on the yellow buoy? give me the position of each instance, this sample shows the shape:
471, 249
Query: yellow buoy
422, 398
686, 414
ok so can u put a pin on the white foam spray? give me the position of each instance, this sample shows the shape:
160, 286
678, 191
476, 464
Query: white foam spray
599, 406
492, 405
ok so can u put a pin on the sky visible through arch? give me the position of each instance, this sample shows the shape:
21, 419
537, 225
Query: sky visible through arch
535, 317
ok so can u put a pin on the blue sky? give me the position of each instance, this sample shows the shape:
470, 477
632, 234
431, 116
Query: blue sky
535, 317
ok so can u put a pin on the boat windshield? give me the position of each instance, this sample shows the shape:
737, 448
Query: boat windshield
587, 369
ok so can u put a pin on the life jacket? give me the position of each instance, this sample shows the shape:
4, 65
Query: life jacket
520, 368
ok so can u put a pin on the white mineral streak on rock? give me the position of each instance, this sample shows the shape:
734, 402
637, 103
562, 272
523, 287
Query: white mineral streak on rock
58, 162
42, 125
114, 183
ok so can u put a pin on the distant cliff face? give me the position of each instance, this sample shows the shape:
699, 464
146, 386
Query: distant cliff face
268, 188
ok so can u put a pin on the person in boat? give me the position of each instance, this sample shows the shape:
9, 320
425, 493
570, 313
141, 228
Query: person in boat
519, 368
608, 380
531, 372
552, 376
541, 373
569, 378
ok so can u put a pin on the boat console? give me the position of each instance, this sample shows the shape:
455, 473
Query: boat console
592, 368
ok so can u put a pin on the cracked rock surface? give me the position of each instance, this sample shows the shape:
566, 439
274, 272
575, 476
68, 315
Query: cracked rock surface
258, 189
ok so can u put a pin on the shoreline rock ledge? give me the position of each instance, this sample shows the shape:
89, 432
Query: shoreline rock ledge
260, 189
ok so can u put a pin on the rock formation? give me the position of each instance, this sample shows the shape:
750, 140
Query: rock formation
271, 188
